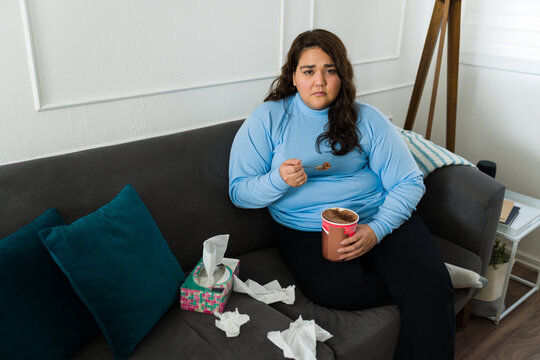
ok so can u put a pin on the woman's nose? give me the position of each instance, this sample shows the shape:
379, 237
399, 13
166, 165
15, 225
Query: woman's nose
319, 79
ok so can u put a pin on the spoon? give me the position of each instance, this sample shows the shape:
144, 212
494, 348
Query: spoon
324, 166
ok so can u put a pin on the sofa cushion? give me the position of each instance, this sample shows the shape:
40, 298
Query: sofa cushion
179, 177
38, 308
182, 334
120, 266
428, 155
171, 338
456, 255
252, 339
370, 334
465, 278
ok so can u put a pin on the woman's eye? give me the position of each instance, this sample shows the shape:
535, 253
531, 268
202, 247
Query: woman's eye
332, 71
308, 72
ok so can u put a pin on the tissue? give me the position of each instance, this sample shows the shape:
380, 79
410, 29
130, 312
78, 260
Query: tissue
213, 252
268, 294
230, 322
209, 286
299, 341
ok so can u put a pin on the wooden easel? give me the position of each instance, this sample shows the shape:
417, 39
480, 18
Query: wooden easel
445, 12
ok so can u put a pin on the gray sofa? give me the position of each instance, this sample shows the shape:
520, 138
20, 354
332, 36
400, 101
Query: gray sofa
182, 178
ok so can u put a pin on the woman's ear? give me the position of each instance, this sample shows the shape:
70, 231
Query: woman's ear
294, 79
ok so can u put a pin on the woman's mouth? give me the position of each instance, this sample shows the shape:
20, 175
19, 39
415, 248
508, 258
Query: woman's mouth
319, 93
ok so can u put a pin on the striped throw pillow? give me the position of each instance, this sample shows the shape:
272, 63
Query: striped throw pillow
428, 155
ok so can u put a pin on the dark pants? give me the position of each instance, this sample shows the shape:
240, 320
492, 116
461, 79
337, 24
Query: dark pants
405, 268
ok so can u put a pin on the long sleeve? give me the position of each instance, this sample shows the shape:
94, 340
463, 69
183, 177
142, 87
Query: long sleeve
381, 182
252, 181
392, 162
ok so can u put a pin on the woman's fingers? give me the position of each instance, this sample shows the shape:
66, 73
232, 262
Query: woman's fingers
298, 180
292, 172
353, 251
360, 243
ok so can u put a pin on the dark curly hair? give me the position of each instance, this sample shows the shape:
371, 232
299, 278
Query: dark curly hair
341, 132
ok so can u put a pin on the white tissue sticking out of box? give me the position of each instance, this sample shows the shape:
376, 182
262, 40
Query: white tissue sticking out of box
299, 341
230, 322
213, 252
268, 294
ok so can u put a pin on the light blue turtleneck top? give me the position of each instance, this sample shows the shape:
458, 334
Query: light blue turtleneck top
381, 182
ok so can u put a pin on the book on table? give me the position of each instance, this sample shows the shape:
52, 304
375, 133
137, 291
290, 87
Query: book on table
524, 217
513, 214
507, 207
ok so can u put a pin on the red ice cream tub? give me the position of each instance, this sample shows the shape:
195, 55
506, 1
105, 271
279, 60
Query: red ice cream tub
337, 224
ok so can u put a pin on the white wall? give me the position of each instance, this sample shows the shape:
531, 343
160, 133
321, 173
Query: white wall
83, 74
498, 116
76, 75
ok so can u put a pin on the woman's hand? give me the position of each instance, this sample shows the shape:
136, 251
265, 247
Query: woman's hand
360, 243
292, 172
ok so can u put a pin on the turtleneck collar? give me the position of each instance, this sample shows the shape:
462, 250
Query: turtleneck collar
299, 103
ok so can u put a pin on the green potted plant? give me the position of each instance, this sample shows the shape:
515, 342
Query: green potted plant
496, 273
498, 254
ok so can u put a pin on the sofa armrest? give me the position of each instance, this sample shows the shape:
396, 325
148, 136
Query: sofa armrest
463, 205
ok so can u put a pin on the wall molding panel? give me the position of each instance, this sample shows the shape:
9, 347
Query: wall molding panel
32, 66
384, 89
374, 52
80, 74
39, 81
396, 19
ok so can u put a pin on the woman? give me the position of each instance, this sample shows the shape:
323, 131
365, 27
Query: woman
310, 117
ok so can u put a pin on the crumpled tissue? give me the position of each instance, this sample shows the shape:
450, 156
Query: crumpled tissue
230, 322
299, 341
213, 252
268, 294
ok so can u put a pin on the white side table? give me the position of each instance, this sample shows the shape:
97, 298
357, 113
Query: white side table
514, 237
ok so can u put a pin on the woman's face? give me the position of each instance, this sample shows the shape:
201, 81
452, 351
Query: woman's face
316, 78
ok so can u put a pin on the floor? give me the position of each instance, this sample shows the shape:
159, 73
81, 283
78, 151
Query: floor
516, 337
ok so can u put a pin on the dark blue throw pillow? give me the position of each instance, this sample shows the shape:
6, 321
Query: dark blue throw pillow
120, 266
41, 317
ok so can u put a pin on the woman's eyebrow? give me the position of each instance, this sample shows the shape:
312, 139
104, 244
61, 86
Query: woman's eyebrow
312, 66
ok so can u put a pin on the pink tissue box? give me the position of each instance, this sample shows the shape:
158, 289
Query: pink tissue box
194, 297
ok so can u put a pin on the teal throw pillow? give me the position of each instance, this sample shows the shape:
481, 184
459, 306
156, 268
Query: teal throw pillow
120, 266
41, 317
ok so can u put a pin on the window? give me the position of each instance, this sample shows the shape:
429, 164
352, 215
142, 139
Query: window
501, 34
